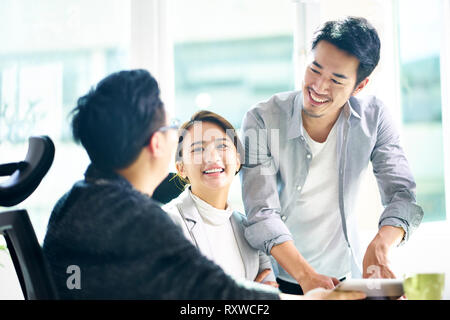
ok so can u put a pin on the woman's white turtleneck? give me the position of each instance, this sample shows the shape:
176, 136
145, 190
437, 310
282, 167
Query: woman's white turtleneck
221, 237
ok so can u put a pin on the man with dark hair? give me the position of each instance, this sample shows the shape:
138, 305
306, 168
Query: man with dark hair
107, 227
302, 212
106, 237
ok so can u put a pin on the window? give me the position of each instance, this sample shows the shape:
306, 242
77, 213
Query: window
57, 51
229, 55
419, 56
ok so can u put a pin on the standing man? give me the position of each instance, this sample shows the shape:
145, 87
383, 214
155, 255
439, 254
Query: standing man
306, 152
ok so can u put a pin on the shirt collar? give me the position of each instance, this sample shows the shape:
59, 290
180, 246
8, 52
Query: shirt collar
351, 103
210, 214
99, 176
295, 127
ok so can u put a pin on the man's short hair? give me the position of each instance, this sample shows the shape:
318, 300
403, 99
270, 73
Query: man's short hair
115, 119
357, 37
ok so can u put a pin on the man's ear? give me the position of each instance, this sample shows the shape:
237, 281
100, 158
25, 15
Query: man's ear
156, 145
360, 86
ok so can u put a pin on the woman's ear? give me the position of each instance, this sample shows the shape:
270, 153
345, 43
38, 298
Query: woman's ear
180, 169
238, 162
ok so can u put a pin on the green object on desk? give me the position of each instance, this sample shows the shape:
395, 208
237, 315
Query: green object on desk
424, 286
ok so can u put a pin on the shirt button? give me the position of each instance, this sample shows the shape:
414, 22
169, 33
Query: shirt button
308, 156
302, 138
283, 218
299, 187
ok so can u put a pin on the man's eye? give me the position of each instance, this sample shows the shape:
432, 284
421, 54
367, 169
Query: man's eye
222, 146
335, 81
315, 71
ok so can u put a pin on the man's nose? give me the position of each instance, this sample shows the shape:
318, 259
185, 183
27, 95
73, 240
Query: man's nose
321, 85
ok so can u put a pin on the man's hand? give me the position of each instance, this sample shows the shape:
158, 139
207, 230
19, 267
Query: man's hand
376, 260
293, 262
315, 280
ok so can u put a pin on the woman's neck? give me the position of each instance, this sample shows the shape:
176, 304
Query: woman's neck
216, 198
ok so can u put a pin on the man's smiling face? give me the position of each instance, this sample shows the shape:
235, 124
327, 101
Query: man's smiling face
329, 80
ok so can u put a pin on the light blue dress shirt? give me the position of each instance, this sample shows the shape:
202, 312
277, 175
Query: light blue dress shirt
277, 160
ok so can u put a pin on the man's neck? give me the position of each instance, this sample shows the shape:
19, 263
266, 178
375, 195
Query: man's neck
142, 176
319, 128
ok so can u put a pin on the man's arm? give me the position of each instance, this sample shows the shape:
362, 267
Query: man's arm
376, 260
397, 190
293, 262
265, 230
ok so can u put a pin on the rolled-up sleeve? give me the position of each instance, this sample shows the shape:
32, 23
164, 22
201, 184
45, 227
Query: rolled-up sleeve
395, 180
264, 227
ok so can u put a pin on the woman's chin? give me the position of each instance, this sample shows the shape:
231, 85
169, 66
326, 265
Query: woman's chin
216, 183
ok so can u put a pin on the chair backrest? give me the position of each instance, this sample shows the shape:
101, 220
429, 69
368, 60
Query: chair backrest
26, 175
26, 254
170, 188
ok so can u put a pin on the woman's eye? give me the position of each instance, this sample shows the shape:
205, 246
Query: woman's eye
315, 71
222, 146
198, 149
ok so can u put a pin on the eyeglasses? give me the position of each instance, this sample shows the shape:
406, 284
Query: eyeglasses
174, 125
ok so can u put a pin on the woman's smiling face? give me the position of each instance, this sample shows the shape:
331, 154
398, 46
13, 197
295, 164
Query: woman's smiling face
209, 158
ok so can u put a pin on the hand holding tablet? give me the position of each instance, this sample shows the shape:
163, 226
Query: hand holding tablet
374, 288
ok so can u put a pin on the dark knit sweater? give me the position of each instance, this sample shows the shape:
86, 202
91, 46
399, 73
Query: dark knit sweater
127, 247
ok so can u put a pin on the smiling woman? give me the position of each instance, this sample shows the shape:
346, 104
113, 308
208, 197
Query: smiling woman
212, 161
208, 158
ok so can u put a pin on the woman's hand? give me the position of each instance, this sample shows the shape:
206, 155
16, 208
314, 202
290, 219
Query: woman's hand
262, 275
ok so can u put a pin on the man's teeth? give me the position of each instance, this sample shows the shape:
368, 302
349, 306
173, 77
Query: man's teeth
213, 170
316, 99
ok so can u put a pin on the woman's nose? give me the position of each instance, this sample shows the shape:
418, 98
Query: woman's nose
211, 154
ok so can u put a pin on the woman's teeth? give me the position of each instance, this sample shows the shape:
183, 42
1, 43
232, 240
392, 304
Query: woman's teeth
213, 170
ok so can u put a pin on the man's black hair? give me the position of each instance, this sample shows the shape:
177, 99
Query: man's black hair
357, 37
115, 120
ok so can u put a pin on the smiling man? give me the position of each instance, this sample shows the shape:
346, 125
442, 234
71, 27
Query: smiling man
299, 190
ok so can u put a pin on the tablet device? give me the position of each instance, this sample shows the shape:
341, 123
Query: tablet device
374, 288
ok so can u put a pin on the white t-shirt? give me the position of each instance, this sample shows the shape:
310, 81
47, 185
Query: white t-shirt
316, 226
221, 238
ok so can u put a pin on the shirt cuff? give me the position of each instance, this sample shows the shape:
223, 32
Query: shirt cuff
273, 242
405, 215
399, 223
264, 234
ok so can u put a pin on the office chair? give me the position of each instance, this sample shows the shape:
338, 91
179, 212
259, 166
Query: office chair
170, 188
23, 246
